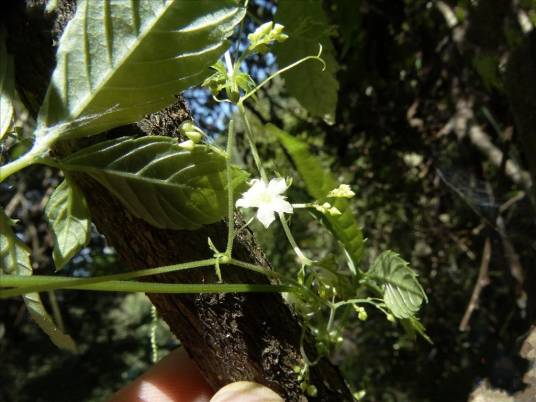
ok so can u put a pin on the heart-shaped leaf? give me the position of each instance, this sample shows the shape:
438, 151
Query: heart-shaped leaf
160, 182
403, 293
68, 216
15, 259
119, 60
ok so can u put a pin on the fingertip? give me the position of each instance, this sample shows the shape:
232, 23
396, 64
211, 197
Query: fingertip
175, 378
246, 391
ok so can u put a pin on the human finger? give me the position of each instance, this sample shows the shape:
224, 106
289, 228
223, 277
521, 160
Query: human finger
175, 378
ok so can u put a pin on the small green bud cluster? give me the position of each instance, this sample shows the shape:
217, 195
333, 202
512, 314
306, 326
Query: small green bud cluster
335, 337
361, 313
192, 132
265, 35
303, 378
343, 191
327, 209
228, 76
231, 81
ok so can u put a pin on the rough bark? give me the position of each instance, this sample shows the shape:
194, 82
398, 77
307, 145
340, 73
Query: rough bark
231, 337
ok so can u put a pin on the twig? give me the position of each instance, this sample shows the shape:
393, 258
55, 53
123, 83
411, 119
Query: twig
462, 123
516, 269
16, 199
481, 282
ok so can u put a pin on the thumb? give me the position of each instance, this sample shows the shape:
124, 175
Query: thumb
245, 391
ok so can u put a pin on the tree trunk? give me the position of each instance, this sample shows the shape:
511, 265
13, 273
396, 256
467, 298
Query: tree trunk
231, 337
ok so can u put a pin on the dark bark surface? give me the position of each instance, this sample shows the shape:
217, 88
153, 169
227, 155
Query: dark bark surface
231, 337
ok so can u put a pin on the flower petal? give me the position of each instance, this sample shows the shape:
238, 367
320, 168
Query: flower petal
243, 202
279, 204
277, 186
266, 216
257, 186
252, 197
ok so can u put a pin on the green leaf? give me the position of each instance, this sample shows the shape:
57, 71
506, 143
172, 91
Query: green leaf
319, 182
413, 326
15, 259
307, 26
218, 80
160, 182
14, 254
68, 216
7, 88
119, 60
402, 292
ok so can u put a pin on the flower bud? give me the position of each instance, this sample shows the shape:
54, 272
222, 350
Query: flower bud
188, 145
265, 35
311, 390
191, 131
343, 191
334, 211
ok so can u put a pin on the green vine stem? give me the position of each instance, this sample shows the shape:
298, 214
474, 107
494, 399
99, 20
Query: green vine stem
145, 287
301, 256
40, 283
230, 198
30, 284
281, 71
251, 142
29, 158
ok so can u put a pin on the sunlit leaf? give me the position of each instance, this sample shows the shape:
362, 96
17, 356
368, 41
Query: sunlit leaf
14, 254
403, 293
306, 25
15, 259
6, 88
160, 182
68, 216
119, 60
319, 182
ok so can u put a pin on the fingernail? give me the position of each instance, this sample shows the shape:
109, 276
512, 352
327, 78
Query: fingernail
246, 391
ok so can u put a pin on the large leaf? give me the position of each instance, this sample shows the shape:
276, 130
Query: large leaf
69, 219
15, 259
319, 182
7, 88
307, 26
119, 60
403, 293
169, 187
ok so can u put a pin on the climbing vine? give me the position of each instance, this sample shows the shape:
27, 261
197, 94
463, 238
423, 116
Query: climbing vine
186, 184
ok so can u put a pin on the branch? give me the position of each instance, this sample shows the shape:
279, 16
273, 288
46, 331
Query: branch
462, 124
481, 282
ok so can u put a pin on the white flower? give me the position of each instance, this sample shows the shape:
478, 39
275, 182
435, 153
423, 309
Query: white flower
267, 198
